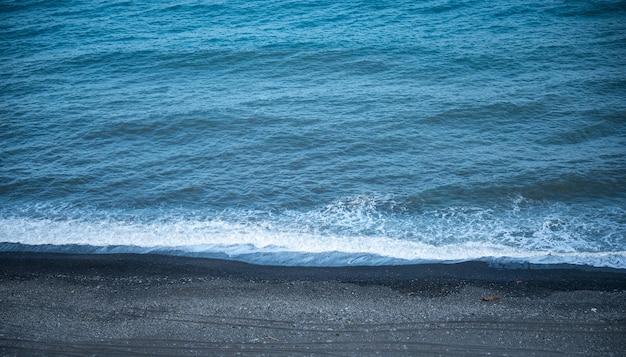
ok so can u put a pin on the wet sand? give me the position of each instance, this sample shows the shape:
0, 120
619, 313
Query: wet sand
104, 305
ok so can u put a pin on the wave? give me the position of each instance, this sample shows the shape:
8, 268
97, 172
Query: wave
359, 230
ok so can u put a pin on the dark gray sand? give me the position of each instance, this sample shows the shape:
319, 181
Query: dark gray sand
104, 305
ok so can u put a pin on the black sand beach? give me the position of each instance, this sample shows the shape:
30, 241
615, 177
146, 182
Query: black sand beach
103, 305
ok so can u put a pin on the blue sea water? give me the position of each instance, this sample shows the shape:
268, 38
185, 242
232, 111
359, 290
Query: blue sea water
316, 133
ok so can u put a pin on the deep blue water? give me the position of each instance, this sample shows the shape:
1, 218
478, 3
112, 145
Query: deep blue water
316, 133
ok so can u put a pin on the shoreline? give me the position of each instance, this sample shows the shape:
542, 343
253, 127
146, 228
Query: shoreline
611, 261
127, 304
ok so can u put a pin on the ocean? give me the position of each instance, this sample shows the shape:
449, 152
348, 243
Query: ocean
326, 133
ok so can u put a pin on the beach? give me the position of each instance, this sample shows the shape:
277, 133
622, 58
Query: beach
329, 178
97, 305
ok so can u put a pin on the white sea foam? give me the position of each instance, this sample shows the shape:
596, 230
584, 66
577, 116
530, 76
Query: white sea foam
272, 242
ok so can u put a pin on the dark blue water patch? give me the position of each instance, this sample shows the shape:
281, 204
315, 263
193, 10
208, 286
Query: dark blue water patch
602, 9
